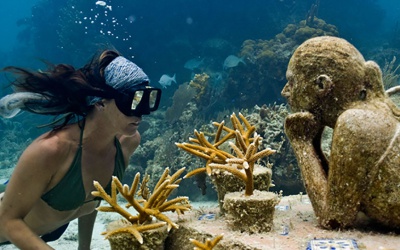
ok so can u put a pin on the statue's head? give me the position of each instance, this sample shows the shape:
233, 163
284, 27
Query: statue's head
326, 74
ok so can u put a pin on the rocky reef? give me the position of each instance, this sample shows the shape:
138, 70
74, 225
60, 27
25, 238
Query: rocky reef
14, 139
266, 62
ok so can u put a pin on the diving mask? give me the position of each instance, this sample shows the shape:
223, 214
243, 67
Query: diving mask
139, 102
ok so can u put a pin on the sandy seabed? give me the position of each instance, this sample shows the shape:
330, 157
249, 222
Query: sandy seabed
295, 226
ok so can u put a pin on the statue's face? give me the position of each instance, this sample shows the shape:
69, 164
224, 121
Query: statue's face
301, 91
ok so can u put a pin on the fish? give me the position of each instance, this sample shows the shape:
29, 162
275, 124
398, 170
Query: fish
12, 104
101, 3
194, 63
167, 80
232, 61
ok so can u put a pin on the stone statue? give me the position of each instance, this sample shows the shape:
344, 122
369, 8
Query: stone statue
331, 85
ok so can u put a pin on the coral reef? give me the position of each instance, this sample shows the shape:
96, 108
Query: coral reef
266, 61
269, 120
151, 205
14, 139
200, 82
158, 151
390, 76
182, 96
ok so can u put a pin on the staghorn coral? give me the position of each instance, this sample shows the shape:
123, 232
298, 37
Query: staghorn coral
253, 210
208, 245
151, 205
246, 157
244, 147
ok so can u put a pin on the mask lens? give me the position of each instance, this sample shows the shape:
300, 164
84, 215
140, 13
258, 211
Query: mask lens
154, 98
137, 97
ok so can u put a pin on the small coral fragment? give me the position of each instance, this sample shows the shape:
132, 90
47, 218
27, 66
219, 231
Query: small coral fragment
208, 245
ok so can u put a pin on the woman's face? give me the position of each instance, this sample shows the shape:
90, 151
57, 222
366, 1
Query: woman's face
126, 125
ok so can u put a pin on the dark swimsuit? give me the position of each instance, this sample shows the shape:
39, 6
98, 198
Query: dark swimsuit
69, 193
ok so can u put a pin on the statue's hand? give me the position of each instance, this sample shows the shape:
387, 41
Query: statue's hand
302, 126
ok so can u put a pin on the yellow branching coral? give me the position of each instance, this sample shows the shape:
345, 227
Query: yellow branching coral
208, 245
151, 205
246, 157
245, 148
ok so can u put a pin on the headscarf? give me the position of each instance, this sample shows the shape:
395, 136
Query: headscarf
121, 74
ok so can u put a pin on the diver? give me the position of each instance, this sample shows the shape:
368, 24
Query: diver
98, 109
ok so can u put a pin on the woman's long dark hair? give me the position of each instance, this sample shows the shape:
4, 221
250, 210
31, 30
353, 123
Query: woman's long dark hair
65, 88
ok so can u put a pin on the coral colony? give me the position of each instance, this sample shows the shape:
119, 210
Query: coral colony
151, 205
245, 148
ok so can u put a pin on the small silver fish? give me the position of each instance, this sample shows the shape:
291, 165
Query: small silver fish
193, 63
232, 61
101, 3
167, 80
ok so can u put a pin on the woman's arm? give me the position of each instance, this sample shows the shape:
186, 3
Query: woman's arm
29, 180
85, 230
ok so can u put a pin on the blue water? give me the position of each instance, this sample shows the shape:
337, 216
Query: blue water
10, 13
161, 36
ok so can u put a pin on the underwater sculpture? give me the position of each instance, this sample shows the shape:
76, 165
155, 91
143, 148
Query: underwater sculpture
151, 205
251, 210
331, 85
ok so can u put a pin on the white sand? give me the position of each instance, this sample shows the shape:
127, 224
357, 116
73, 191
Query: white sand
300, 219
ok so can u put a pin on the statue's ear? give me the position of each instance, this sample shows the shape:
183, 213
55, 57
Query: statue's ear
373, 75
372, 70
324, 84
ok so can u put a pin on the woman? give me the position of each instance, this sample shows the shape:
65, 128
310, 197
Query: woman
101, 106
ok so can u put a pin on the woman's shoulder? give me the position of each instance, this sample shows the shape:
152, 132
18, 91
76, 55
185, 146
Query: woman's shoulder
130, 143
48, 146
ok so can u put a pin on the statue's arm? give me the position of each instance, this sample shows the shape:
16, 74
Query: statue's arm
304, 133
354, 153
